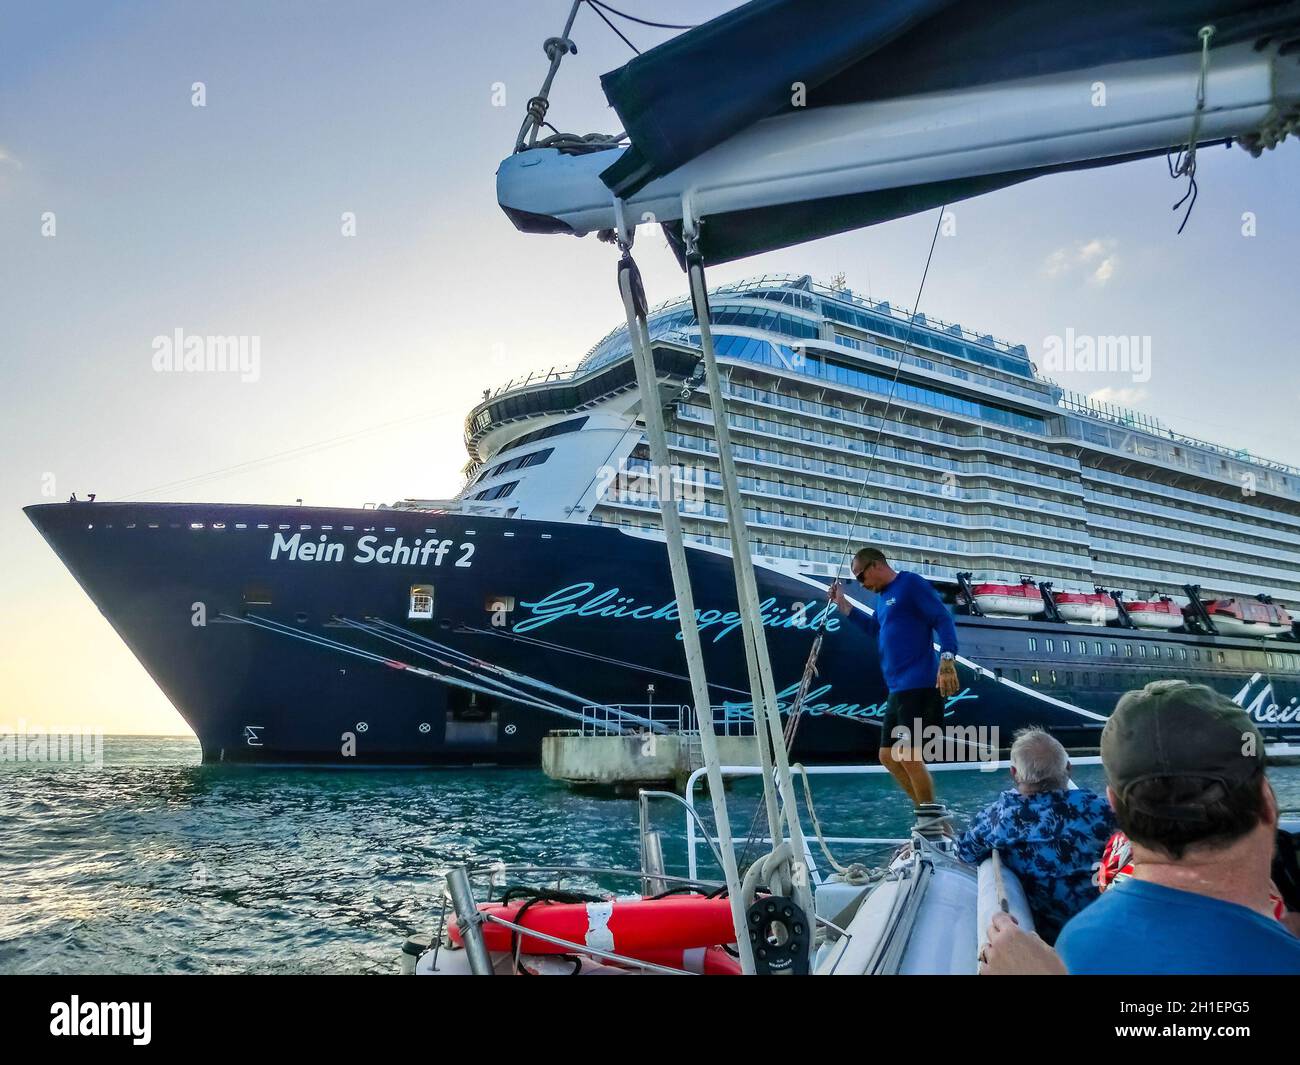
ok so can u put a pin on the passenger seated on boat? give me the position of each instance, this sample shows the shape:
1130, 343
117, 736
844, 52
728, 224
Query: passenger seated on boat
1117, 866
1185, 773
1049, 834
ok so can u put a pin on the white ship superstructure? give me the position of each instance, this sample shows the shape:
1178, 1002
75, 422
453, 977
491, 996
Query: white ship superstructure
971, 461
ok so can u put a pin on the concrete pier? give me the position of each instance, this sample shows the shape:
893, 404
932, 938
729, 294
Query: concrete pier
627, 763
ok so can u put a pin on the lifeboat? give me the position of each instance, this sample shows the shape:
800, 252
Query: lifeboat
1021, 600
649, 929
1086, 608
1162, 613
1248, 617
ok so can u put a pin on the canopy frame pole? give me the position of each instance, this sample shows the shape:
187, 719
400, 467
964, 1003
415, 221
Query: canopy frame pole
743, 563
634, 305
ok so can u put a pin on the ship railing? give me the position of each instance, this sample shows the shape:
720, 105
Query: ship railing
671, 719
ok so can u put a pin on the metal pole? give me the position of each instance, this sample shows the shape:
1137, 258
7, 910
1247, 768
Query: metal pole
629, 283
746, 584
469, 921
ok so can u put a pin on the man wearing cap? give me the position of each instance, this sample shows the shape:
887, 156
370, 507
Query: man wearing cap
1185, 769
910, 618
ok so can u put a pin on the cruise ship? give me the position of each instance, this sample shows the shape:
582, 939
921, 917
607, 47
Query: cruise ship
1084, 550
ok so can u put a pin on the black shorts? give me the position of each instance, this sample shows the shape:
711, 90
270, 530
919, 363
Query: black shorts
905, 709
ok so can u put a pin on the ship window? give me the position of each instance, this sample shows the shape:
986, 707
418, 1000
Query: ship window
421, 602
1053, 678
1183, 653
499, 604
1196, 654
1096, 648
1143, 649
1034, 678
1222, 658
1114, 649
1049, 645
1016, 673
1128, 650
499, 492
257, 595
1033, 644
1157, 650
1065, 647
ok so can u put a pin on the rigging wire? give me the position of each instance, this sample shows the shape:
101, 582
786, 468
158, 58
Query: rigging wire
641, 21
605, 19
893, 384
1184, 163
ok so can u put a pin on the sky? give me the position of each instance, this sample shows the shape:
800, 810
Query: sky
127, 212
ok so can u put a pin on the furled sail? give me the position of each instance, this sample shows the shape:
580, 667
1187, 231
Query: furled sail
787, 120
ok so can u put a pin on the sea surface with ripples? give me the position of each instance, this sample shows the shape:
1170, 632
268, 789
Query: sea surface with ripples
154, 863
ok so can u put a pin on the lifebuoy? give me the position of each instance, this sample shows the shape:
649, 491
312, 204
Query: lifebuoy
635, 927
703, 961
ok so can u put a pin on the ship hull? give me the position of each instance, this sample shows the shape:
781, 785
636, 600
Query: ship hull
285, 636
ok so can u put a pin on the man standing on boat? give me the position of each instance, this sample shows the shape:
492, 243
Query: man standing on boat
910, 618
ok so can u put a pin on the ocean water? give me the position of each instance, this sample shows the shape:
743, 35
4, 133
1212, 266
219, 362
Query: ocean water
154, 863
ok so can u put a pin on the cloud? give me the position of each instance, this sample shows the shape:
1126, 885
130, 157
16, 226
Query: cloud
1095, 259
1119, 396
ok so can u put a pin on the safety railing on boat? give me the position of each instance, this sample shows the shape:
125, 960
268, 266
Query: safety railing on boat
733, 771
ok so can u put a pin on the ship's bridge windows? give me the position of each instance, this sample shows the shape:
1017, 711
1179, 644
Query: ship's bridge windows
499, 492
557, 429
533, 458
421, 608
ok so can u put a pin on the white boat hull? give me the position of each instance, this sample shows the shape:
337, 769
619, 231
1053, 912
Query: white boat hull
1154, 619
1237, 627
1008, 606
1086, 614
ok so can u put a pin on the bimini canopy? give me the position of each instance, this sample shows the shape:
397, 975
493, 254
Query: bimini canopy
786, 120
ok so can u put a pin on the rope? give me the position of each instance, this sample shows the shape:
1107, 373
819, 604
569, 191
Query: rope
857, 873
551, 646
280, 629
1184, 163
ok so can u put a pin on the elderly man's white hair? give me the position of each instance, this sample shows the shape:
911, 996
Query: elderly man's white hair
1040, 761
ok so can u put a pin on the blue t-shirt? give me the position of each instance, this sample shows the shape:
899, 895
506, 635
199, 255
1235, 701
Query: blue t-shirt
910, 615
1052, 841
1139, 928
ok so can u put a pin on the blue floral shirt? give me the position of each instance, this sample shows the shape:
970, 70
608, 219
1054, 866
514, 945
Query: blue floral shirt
1052, 841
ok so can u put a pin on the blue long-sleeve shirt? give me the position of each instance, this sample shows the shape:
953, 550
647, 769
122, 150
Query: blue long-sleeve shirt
910, 616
